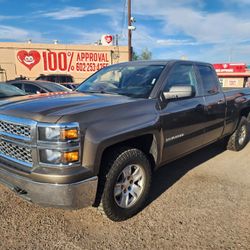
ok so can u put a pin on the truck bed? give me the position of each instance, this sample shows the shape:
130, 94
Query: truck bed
233, 91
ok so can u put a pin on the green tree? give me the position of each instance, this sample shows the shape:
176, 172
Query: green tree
146, 54
135, 56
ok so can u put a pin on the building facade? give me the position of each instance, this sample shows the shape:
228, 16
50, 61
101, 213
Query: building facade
233, 75
30, 59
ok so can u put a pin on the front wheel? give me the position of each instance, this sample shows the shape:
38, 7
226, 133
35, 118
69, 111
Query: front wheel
127, 185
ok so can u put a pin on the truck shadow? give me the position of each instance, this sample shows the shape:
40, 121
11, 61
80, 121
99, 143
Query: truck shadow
169, 174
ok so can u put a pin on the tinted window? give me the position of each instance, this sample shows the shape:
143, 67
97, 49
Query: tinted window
209, 80
19, 85
32, 89
181, 74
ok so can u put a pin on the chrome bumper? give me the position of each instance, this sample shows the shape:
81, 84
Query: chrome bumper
72, 196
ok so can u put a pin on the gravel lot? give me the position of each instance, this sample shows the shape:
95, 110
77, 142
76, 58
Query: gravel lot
199, 202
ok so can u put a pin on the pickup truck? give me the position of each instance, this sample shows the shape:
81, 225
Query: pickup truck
100, 144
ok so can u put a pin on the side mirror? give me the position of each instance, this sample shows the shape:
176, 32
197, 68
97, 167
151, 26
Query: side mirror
179, 91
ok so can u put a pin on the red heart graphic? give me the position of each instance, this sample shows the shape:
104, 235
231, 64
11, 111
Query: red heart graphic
29, 59
108, 39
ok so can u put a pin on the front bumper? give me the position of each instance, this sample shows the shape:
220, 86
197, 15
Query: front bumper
71, 196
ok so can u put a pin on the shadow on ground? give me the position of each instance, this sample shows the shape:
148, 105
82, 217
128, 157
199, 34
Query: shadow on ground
169, 174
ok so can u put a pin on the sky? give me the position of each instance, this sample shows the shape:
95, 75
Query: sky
214, 31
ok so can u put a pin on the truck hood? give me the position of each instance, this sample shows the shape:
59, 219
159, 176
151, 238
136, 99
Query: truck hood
50, 107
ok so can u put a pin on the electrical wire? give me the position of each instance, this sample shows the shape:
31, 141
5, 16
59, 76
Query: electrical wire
124, 15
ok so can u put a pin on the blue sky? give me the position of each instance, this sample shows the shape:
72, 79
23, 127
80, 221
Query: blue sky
213, 31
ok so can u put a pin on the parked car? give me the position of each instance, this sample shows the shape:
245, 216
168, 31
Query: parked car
7, 90
71, 86
58, 78
38, 87
99, 145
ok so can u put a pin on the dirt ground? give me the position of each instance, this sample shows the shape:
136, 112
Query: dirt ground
199, 202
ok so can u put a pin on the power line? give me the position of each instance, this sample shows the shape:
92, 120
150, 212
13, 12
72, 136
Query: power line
124, 19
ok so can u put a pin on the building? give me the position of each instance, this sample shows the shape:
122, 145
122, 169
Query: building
233, 75
31, 59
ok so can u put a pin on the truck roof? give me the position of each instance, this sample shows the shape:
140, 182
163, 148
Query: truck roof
160, 62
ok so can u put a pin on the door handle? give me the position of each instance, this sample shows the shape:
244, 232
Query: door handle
221, 101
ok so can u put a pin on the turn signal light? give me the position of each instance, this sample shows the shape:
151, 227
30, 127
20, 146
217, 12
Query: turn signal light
71, 156
69, 134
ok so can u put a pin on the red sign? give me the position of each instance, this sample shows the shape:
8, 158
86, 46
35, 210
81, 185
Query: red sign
64, 61
109, 39
230, 67
29, 59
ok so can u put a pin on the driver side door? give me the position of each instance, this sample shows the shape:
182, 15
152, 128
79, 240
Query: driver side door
182, 119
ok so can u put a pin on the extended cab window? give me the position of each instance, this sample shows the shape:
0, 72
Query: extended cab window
209, 80
181, 74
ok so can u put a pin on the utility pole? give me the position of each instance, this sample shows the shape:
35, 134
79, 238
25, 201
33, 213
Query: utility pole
129, 32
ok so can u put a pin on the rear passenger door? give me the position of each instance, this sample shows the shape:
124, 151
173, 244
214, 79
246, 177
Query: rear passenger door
215, 105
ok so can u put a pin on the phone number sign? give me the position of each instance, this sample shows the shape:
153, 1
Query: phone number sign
64, 61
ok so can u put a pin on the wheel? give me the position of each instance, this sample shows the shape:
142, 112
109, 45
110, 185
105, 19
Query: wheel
127, 185
239, 139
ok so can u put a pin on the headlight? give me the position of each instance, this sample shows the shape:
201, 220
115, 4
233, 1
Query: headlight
53, 156
61, 132
59, 144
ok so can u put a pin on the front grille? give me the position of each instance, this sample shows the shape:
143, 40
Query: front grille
15, 152
15, 129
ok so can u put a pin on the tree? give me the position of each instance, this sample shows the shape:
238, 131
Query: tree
135, 56
145, 55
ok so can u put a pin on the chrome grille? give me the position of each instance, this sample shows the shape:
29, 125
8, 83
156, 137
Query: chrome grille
15, 152
16, 129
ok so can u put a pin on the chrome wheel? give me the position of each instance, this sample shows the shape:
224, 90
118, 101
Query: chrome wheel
242, 134
129, 186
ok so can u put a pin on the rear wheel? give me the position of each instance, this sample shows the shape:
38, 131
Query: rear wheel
127, 185
239, 139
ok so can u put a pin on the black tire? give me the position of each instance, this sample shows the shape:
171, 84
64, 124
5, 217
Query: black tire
239, 139
120, 162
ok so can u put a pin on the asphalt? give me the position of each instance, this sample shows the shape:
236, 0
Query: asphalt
199, 202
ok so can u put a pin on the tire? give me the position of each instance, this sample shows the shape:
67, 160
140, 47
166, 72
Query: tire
239, 139
127, 185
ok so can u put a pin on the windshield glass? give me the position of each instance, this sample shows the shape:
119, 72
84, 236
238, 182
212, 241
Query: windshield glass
130, 80
7, 90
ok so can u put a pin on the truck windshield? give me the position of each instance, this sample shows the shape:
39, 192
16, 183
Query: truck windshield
130, 80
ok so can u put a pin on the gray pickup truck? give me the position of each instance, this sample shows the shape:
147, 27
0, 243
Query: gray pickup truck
100, 144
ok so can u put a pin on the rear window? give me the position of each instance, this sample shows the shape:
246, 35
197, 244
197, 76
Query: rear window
209, 80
